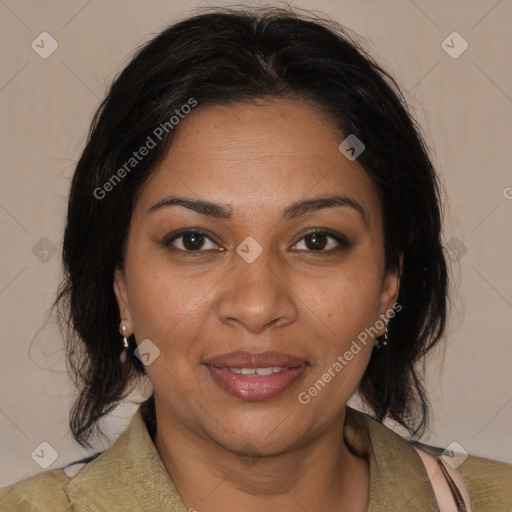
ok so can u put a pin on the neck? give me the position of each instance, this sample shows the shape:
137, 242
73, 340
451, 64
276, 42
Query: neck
320, 475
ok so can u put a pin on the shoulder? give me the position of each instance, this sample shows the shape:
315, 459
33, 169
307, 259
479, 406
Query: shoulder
44, 492
478, 467
488, 481
484, 477
129, 476
485, 483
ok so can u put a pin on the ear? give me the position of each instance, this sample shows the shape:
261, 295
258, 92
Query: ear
122, 297
391, 287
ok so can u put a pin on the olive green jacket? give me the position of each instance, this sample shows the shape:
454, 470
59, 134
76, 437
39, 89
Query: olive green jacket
130, 477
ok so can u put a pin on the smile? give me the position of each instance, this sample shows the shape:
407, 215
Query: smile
255, 372
255, 376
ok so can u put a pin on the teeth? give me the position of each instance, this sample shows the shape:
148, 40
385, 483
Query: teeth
265, 371
258, 371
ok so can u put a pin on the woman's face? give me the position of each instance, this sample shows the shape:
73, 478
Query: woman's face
255, 292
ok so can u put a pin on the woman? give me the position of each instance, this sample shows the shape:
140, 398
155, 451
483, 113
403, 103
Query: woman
254, 226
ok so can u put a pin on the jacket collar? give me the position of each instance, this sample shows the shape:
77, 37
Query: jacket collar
398, 479
130, 475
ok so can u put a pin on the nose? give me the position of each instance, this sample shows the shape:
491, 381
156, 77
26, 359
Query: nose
255, 295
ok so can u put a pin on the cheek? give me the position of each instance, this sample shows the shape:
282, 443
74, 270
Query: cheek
343, 310
169, 310
164, 301
347, 300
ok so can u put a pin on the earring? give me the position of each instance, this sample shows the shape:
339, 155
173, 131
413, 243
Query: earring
125, 344
382, 341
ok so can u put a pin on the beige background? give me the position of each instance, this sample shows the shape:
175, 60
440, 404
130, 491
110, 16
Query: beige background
463, 104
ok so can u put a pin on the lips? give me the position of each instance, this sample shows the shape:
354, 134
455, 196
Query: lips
242, 359
255, 376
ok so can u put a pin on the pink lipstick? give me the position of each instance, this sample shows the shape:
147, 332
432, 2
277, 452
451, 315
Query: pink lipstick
255, 376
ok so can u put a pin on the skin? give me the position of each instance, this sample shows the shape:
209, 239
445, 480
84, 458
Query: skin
256, 159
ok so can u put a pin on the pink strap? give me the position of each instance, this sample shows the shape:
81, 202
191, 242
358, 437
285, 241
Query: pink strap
448, 495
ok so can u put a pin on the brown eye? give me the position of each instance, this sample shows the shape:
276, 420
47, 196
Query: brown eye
316, 241
322, 241
191, 241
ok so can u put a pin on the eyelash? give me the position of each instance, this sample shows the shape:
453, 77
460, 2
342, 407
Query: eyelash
338, 237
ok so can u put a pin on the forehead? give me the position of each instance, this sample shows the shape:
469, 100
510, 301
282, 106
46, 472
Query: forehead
268, 154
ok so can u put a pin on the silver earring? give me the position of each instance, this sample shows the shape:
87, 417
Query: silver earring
125, 344
382, 341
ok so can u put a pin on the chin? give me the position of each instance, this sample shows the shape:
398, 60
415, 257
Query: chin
257, 431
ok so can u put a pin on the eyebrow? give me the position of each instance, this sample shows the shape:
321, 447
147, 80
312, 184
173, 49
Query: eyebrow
293, 211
